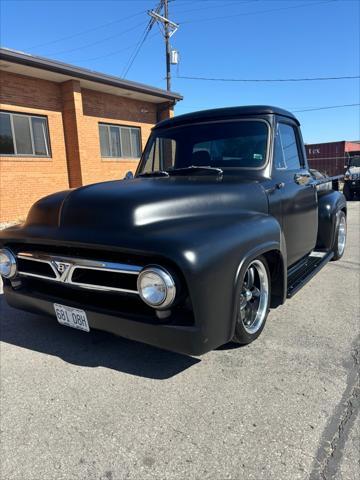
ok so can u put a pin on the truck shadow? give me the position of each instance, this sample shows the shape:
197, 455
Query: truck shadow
97, 349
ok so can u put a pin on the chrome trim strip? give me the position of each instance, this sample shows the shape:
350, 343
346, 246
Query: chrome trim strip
26, 274
102, 288
112, 267
70, 264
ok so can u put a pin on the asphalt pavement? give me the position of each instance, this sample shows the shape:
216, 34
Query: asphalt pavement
91, 406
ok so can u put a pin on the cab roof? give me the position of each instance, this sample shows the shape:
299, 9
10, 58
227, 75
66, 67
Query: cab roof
225, 113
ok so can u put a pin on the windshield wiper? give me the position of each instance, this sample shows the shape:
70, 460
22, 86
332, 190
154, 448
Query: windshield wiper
155, 173
184, 171
196, 169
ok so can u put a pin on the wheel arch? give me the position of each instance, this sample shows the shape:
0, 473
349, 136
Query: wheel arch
276, 263
277, 270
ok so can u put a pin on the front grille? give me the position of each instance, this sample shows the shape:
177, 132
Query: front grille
84, 273
33, 268
105, 286
106, 279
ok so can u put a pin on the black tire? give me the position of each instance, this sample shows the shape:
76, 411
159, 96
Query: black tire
349, 195
339, 246
243, 334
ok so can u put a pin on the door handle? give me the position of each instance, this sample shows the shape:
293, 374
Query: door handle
302, 178
277, 186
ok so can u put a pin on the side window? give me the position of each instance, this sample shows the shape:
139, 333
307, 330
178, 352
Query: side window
119, 142
286, 149
160, 156
24, 135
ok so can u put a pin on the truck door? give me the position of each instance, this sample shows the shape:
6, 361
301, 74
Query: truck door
298, 193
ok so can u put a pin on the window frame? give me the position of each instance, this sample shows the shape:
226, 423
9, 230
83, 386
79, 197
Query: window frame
298, 146
29, 116
119, 127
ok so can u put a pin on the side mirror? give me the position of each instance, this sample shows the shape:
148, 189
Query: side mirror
129, 175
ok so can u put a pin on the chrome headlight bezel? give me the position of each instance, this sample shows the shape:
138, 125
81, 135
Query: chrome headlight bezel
165, 279
12, 264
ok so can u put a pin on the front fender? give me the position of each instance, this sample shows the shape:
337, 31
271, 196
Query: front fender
330, 202
215, 268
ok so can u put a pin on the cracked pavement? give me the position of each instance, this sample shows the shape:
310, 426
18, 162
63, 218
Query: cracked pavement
96, 407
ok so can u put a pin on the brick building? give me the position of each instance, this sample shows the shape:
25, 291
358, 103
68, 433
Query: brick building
331, 157
63, 126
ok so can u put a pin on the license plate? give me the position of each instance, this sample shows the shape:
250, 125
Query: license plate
71, 317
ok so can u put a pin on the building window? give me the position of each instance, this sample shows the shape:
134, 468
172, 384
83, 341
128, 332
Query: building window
24, 135
119, 142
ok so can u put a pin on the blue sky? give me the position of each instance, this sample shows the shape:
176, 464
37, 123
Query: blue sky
217, 38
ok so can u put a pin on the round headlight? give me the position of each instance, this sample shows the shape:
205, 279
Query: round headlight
8, 267
156, 287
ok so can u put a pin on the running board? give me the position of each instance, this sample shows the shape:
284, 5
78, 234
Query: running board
304, 270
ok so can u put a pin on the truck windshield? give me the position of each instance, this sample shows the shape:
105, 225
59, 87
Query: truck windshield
233, 144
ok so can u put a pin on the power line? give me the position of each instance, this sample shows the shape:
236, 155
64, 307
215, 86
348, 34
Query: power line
110, 54
265, 80
258, 12
83, 32
98, 41
223, 4
143, 37
190, 2
327, 107
135, 52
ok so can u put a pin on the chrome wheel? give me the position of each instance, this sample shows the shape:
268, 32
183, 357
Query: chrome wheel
342, 235
254, 297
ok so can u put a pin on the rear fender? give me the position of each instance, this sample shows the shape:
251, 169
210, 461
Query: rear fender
329, 203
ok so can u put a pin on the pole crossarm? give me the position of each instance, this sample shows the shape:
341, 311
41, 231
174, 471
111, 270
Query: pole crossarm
162, 19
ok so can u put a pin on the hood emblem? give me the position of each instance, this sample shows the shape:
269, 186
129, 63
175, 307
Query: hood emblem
62, 267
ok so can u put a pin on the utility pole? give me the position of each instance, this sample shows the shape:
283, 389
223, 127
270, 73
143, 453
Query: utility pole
167, 45
169, 30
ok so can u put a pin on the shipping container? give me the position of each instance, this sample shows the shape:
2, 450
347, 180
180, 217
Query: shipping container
331, 157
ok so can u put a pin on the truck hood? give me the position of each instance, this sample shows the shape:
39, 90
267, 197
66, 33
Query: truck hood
145, 202
353, 171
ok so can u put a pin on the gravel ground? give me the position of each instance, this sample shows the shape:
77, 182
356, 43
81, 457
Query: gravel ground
93, 406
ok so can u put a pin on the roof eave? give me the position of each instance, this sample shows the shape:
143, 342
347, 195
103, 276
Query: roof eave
77, 72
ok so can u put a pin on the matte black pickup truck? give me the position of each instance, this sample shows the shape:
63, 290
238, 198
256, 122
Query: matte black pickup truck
222, 222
